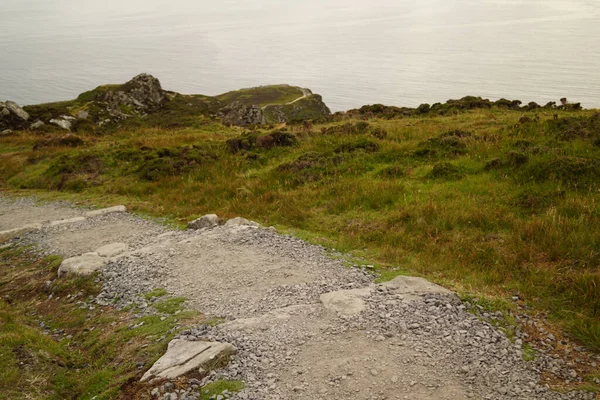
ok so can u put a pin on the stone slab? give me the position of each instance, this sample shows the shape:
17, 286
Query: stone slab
112, 250
414, 285
85, 264
239, 221
183, 357
66, 221
109, 210
346, 302
11, 233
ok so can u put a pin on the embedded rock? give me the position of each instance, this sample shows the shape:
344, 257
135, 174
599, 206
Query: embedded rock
103, 211
112, 250
207, 221
85, 264
239, 114
346, 302
185, 356
12, 116
413, 285
11, 233
239, 221
37, 124
66, 221
63, 122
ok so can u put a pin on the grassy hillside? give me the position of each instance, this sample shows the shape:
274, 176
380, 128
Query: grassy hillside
263, 95
487, 201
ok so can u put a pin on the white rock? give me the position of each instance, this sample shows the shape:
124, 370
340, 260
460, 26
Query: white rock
346, 302
207, 221
239, 221
109, 210
184, 356
62, 123
67, 221
85, 264
14, 108
113, 249
413, 285
37, 124
11, 233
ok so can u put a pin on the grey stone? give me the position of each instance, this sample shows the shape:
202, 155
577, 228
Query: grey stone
239, 221
15, 109
62, 123
207, 221
112, 250
85, 264
37, 124
413, 285
11, 233
83, 115
66, 221
104, 211
184, 356
12, 116
346, 302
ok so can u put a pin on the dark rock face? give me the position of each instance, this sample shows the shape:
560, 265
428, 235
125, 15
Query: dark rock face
143, 94
12, 116
239, 114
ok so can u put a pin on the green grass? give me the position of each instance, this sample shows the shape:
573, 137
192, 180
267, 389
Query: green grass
170, 306
529, 353
51, 348
412, 195
218, 387
263, 95
158, 292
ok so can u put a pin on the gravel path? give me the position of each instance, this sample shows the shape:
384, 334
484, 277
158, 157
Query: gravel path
394, 344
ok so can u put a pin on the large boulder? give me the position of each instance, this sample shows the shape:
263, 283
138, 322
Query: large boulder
207, 221
12, 116
183, 357
239, 114
143, 94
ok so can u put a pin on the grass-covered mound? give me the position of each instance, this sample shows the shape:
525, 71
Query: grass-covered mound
263, 95
490, 199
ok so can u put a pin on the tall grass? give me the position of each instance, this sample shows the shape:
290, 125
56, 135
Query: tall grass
528, 225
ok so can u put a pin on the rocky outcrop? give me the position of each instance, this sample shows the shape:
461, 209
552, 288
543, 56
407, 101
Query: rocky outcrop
239, 114
143, 94
12, 116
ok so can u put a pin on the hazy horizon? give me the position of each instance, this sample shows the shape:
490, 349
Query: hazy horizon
396, 52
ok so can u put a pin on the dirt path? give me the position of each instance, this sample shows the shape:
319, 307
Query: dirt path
305, 94
306, 326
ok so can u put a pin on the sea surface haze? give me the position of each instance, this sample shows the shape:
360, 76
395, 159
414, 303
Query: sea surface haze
396, 52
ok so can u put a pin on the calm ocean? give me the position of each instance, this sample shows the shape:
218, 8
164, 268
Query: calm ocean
353, 52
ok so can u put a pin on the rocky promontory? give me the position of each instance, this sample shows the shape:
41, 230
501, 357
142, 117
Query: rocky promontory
143, 98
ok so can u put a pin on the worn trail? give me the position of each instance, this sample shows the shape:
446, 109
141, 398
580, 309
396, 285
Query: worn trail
304, 325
